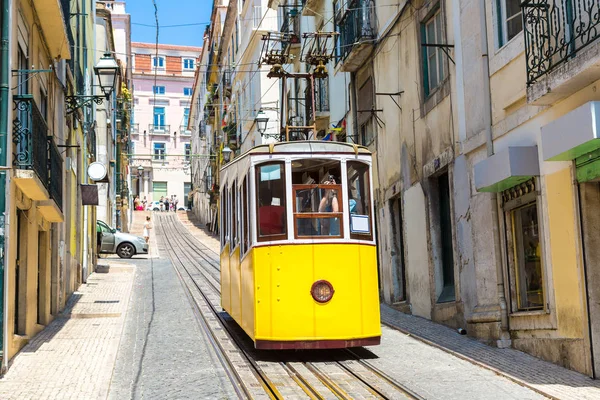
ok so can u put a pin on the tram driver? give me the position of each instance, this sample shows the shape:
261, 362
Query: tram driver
329, 203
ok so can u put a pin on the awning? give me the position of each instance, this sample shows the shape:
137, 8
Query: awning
506, 169
572, 135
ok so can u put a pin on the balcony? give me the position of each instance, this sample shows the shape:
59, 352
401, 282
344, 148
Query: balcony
135, 129
52, 209
159, 130
291, 29
30, 151
357, 35
226, 82
52, 23
184, 131
561, 48
38, 172
321, 103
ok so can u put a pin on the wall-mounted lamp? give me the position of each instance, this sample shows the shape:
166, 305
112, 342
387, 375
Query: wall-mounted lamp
106, 70
226, 154
261, 121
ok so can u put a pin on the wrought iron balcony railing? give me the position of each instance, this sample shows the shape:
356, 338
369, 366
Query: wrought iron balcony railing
159, 129
321, 98
227, 79
555, 30
357, 26
291, 27
56, 174
135, 128
30, 137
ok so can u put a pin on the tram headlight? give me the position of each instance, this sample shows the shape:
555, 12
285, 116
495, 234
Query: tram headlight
322, 291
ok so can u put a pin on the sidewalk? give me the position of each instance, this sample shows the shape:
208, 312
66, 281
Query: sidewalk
73, 358
199, 232
544, 377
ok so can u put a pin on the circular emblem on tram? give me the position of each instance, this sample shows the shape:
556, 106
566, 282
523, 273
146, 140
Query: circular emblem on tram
97, 171
322, 291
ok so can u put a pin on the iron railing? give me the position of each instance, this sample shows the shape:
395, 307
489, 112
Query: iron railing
159, 129
291, 27
555, 30
56, 173
357, 26
184, 131
135, 128
30, 137
321, 93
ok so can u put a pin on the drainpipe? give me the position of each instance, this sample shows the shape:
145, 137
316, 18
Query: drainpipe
485, 67
4, 118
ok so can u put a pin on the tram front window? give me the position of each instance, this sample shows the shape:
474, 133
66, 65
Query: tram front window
317, 198
271, 202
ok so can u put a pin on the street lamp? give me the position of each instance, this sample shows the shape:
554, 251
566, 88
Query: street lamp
261, 121
106, 70
226, 154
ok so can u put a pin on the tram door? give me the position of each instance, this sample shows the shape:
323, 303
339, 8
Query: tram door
589, 197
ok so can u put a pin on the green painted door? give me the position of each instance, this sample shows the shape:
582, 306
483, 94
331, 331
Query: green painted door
159, 189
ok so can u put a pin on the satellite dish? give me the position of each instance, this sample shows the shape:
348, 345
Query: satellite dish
97, 171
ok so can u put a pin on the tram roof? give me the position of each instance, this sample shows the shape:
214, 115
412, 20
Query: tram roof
303, 146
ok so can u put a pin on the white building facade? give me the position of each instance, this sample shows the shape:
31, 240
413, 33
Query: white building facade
161, 146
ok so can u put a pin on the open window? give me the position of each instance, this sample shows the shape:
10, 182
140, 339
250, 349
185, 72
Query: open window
234, 218
270, 187
318, 208
359, 200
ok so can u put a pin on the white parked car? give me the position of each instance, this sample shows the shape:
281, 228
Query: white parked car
153, 206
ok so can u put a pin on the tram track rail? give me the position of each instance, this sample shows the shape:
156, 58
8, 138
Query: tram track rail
309, 376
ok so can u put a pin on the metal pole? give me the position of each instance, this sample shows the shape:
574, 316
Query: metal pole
4, 110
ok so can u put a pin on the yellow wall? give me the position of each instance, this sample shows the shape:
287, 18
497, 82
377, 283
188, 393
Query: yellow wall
562, 215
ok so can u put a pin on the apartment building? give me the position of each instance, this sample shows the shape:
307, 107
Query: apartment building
163, 80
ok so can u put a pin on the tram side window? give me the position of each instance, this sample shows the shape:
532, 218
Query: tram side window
245, 225
234, 217
359, 200
270, 182
318, 207
224, 219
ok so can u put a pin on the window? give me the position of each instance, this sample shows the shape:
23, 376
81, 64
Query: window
270, 182
158, 89
318, 206
510, 21
366, 133
159, 117
359, 200
159, 190
186, 117
234, 217
224, 214
245, 224
159, 151
433, 57
188, 63
188, 152
524, 245
158, 62
187, 91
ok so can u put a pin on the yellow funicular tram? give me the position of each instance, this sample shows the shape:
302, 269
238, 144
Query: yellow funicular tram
298, 255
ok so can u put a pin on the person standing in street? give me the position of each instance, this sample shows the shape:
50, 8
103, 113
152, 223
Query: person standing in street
147, 227
167, 204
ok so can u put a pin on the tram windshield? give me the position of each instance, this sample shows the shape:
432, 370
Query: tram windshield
318, 207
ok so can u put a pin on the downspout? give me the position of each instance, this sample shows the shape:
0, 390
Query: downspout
4, 117
485, 67
86, 228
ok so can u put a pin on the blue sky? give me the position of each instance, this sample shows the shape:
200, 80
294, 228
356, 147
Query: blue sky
170, 12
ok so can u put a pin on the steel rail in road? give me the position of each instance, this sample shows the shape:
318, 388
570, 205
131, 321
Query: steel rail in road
376, 382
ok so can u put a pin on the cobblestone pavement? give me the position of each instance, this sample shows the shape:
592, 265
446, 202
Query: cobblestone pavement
163, 353
544, 377
74, 356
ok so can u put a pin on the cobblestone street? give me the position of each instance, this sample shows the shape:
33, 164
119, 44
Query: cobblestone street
130, 333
